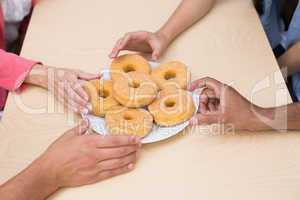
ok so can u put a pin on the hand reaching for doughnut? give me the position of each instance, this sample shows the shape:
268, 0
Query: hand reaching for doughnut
65, 84
142, 41
220, 103
80, 157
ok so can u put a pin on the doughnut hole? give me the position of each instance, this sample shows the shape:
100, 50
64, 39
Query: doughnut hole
128, 68
134, 84
169, 75
104, 93
127, 116
170, 103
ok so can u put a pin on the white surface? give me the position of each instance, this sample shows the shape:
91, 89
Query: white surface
157, 134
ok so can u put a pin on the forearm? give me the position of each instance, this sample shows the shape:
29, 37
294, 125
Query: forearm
291, 59
188, 13
278, 118
34, 183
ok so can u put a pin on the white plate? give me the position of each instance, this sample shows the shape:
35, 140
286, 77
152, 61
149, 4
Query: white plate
157, 134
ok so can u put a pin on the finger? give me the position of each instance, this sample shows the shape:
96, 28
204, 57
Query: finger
209, 83
204, 98
156, 48
111, 173
203, 108
81, 128
124, 41
87, 76
117, 163
206, 119
209, 93
78, 88
62, 96
59, 92
115, 51
211, 107
110, 141
114, 153
71, 84
155, 54
71, 105
72, 95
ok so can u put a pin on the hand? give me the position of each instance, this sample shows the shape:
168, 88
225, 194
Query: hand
220, 103
142, 41
65, 84
78, 158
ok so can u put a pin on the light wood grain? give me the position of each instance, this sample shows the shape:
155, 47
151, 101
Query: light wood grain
228, 45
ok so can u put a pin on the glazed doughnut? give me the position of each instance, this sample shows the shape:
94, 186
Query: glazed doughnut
100, 93
172, 107
128, 63
171, 74
128, 121
135, 90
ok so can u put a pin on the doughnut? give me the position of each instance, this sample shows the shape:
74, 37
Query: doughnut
172, 107
100, 93
171, 74
129, 121
128, 63
135, 90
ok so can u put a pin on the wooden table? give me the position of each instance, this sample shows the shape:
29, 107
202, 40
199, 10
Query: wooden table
229, 45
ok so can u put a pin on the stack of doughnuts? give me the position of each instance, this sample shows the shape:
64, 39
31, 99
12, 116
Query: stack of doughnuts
137, 96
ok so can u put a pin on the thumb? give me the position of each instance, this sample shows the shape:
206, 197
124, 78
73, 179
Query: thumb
80, 129
88, 76
204, 119
155, 54
156, 49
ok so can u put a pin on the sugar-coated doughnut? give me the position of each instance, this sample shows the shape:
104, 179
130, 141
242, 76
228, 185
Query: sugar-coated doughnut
101, 98
128, 63
172, 107
171, 74
135, 90
129, 121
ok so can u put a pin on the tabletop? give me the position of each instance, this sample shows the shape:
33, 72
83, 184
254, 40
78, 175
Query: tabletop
229, 45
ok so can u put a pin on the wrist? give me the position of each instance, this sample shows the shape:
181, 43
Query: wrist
38, 76
40, 178
166, 37
47, 174
261, 119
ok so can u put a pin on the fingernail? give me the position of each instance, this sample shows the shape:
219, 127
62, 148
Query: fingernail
84, 111
133, 139
130, 166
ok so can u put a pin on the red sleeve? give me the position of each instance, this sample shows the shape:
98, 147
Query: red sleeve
13, 70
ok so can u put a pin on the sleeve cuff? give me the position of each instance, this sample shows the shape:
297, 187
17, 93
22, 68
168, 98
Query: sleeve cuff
13, 70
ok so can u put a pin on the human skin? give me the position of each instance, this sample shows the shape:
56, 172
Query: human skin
156, 43
222, 104
77, 158
290, 60
65, 84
